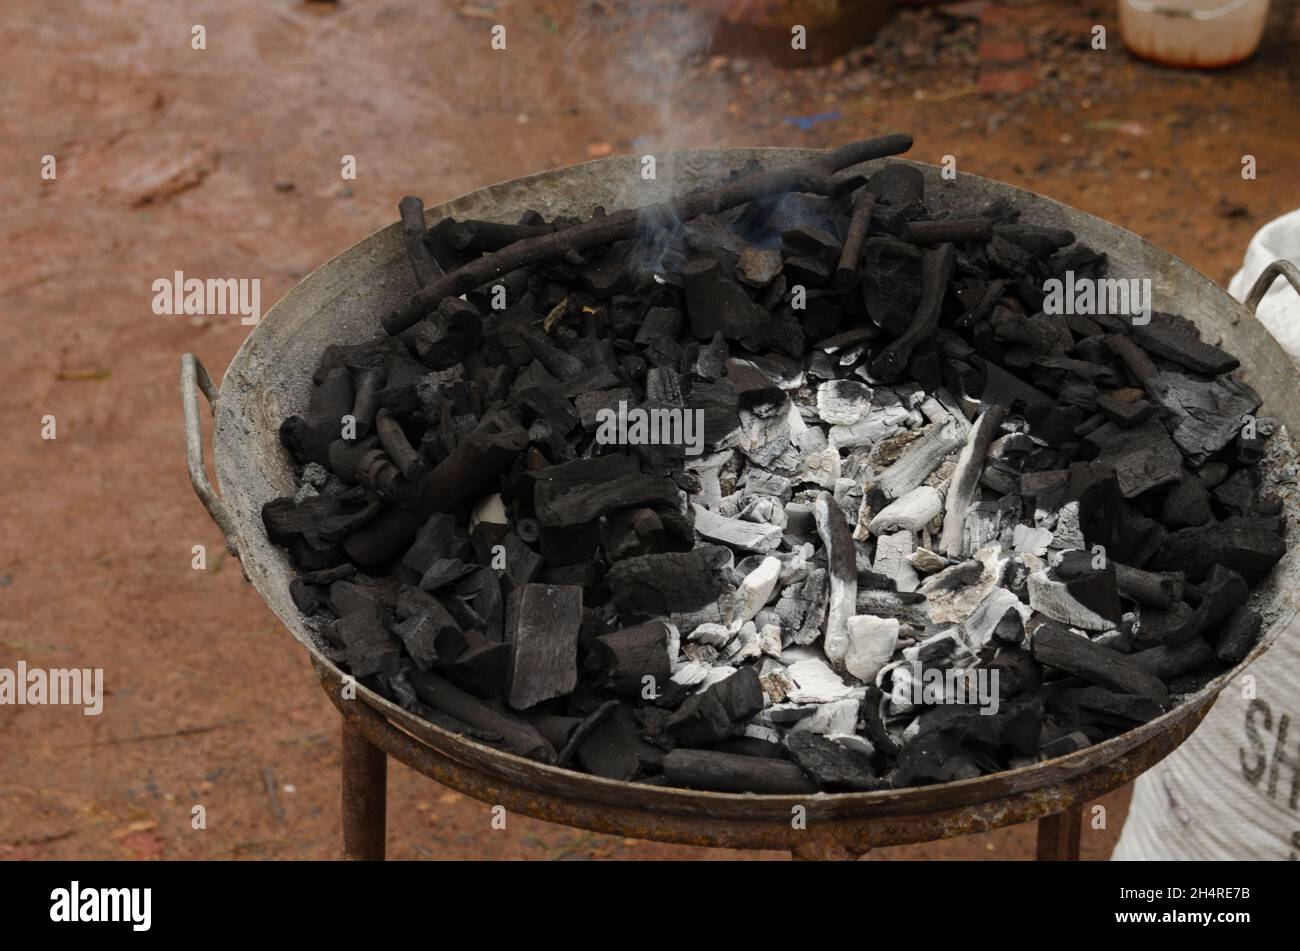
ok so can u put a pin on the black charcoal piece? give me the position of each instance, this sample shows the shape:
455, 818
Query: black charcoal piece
729, 772
658, 585
719, 712
633, 661
518, 735
1238, 636
1054, 646
542, 629
830, 765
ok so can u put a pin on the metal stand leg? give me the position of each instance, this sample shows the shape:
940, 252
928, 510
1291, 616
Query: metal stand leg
364, 787
1058, 836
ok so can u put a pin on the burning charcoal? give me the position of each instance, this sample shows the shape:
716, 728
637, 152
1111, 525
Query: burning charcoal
625, 658
830, 765
1000, 617
893, 560
542, 625
921, 458
728, 772
1239, 636
815, 682
718, 712
517, 735
1075, 654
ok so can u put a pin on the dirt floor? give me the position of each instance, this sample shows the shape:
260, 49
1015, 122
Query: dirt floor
225, 162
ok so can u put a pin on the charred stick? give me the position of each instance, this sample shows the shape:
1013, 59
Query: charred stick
394, 441
950, 230
730, 772
491, 235
936, 269
851, 257
426, 268
816, 177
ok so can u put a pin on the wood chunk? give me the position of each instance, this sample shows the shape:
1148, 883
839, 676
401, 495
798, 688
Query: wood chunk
729, 772
893, 560
1239, 636
830, 765
542, 625
1056, 647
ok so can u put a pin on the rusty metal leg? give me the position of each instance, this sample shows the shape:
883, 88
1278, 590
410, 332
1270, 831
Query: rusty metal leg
364, 799
1058, 836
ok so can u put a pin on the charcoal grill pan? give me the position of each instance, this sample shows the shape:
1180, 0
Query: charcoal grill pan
342, 301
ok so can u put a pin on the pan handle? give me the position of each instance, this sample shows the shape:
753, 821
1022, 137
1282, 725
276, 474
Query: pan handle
193, 379
1266, 279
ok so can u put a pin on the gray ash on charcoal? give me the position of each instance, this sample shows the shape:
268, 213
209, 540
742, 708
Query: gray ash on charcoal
912, 472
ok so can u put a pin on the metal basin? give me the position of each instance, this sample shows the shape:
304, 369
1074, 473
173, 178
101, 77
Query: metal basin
341, 302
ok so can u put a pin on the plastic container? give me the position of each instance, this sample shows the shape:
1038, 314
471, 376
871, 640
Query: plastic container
1200, 34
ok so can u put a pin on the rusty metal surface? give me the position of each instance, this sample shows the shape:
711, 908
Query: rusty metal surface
825, 835
362, 795
341, 302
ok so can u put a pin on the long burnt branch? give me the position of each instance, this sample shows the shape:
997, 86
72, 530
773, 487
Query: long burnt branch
816, 177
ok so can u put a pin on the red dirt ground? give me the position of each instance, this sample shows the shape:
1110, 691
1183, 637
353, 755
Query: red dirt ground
226, 162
